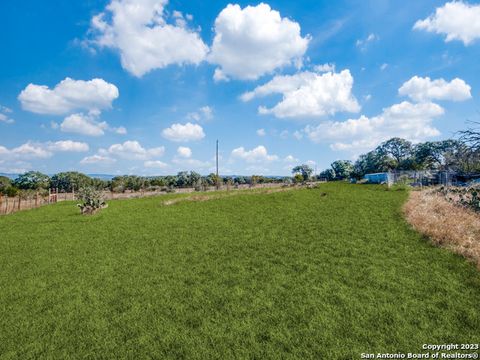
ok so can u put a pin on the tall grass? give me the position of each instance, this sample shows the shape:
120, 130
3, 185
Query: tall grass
447, 224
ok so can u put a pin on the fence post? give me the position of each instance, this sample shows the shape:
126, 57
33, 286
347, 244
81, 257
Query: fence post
19, 202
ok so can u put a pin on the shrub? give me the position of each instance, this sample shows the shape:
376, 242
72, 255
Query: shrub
11, 191
468, 197
92, 200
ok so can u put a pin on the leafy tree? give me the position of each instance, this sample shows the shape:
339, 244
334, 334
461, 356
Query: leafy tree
328, 175
67, 181
434, 154
304, 170
194, 178
32, 180
370, 162
5, 183
240, 180
396, 149
342, 169
183, 179
298, 178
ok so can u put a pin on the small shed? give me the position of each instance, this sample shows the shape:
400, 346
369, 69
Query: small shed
379, 178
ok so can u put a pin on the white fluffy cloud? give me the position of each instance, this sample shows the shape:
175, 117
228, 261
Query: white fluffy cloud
38, 150
68, 95
254, 41
83, 124
256, 155
362, 43
457, 20
186, 132
68, 145
4, 115
155, 164
203, 113
406, 120
184, 152
425, 89
308, 94
97, 159
133, 150
87, 124
290, 159
140, 31
261, 132
191, 164
4, 118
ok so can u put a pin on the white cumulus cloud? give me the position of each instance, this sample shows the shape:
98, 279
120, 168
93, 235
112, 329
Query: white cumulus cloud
83, 124
184, 152
68, 146
155, 164
97, 159
425, 89
42, 150
133, 150
405, 120
254, 41
67, 96
457, 20
261, 132
256, 155
140, 31
308, 94
183, 132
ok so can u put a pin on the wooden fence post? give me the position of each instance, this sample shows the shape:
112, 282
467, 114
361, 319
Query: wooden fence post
19, 202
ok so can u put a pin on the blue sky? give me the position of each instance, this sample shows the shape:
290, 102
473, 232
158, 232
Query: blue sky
147, 86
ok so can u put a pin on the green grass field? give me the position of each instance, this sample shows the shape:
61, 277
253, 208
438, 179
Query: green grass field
256, 276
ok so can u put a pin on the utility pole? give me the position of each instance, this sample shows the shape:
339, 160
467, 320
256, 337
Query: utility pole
217, 179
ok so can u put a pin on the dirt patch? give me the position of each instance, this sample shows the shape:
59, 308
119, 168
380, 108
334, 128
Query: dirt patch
447, 224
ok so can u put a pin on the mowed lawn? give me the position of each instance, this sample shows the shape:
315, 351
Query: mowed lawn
327, 273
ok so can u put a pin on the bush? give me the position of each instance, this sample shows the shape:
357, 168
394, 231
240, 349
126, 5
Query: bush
468, 197
11, 191
92, 200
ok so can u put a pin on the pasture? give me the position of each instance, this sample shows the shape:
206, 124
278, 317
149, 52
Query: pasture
326, 273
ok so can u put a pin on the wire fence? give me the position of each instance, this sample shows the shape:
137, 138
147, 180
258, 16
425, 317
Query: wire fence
32, 200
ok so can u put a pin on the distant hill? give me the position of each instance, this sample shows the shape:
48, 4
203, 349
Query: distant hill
10, 176
97, 176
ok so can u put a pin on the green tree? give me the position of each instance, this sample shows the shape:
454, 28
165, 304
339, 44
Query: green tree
397, 151
32, 180
328, 175
434, 154
67, 181
5, 183
304, 170
342, 169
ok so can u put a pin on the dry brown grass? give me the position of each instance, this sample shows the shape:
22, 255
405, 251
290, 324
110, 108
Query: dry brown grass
447, 225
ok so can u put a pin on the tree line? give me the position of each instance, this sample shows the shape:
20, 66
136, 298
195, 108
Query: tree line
462, 156
35, 181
